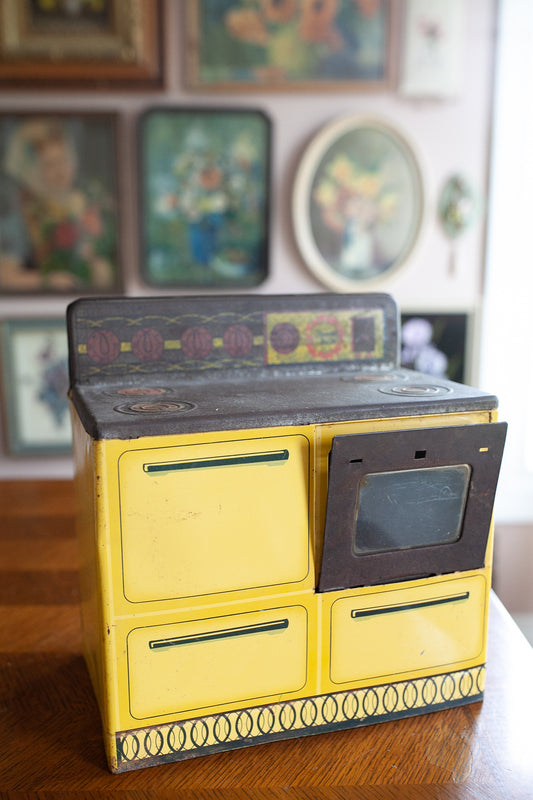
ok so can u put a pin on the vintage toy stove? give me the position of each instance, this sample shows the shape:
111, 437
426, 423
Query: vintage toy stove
282, 532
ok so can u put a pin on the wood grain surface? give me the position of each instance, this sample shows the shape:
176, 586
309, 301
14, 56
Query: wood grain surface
50, 737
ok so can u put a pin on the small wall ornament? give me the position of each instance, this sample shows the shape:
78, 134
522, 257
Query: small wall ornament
458, 210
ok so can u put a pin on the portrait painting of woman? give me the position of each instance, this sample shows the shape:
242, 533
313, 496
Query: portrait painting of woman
58, 214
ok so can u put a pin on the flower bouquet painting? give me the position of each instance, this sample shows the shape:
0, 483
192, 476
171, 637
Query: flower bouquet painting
288, 43
436, 344
204, 197
358, 200
35, 378
58, 227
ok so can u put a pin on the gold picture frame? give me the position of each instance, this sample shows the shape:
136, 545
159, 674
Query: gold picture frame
115, 42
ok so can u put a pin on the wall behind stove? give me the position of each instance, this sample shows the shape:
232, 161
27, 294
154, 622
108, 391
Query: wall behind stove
449, 136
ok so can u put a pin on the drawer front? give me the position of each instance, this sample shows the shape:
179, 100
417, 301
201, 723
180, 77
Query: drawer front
388, 633
210, 518
201, 664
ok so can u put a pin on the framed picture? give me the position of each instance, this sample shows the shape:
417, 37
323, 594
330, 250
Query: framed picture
58, 195
204, 197
58, 44
282, 44
35, 384
436, 344
434, 48
358, 203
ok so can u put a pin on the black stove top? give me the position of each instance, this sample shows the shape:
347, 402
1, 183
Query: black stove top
128, 412
183, 365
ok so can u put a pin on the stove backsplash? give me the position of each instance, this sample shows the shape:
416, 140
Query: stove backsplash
112, 339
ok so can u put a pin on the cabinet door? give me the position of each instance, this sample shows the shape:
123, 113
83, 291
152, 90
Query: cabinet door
400, 631
200, 664
210, 518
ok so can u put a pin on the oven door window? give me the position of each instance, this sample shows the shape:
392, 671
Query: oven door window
403, 509
409, 503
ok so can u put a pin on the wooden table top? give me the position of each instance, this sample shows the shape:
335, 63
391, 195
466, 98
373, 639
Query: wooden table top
50, 738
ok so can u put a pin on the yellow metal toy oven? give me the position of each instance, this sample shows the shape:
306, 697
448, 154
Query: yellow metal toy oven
282, 532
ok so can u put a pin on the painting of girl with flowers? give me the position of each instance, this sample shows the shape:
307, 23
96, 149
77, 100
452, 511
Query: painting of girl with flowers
204, 197
358, 202
289, 43
58, 220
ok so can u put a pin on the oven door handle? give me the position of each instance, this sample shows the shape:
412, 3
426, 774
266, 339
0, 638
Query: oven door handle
220, 461
244, 630
436, 601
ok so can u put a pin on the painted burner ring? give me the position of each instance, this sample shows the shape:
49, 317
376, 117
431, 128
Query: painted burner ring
416, 390
158, 407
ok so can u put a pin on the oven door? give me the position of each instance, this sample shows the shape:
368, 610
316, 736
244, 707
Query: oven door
409, 504
215, 517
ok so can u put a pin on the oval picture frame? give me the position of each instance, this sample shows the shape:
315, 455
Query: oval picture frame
358, 203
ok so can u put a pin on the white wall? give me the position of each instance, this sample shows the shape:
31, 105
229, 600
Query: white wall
507, 353
450, 136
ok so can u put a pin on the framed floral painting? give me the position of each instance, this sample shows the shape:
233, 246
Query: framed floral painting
58, 195
433, 53
284, 44
437, 343
35, 384
96, 44
358, 203
204, 197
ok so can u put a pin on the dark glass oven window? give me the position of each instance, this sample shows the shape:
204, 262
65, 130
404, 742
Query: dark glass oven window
410, 508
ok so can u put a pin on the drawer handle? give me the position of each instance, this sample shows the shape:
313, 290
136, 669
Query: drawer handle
439, 601
260, 627
223, 461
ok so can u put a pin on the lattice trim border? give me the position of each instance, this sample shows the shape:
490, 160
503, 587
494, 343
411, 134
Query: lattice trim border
176, 741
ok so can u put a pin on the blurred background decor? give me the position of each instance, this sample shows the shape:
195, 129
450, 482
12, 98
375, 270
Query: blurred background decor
35, 378
433, 52
204, 197
58, 197
282, 44
358, 202
85, 43
458, 209
436, 344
